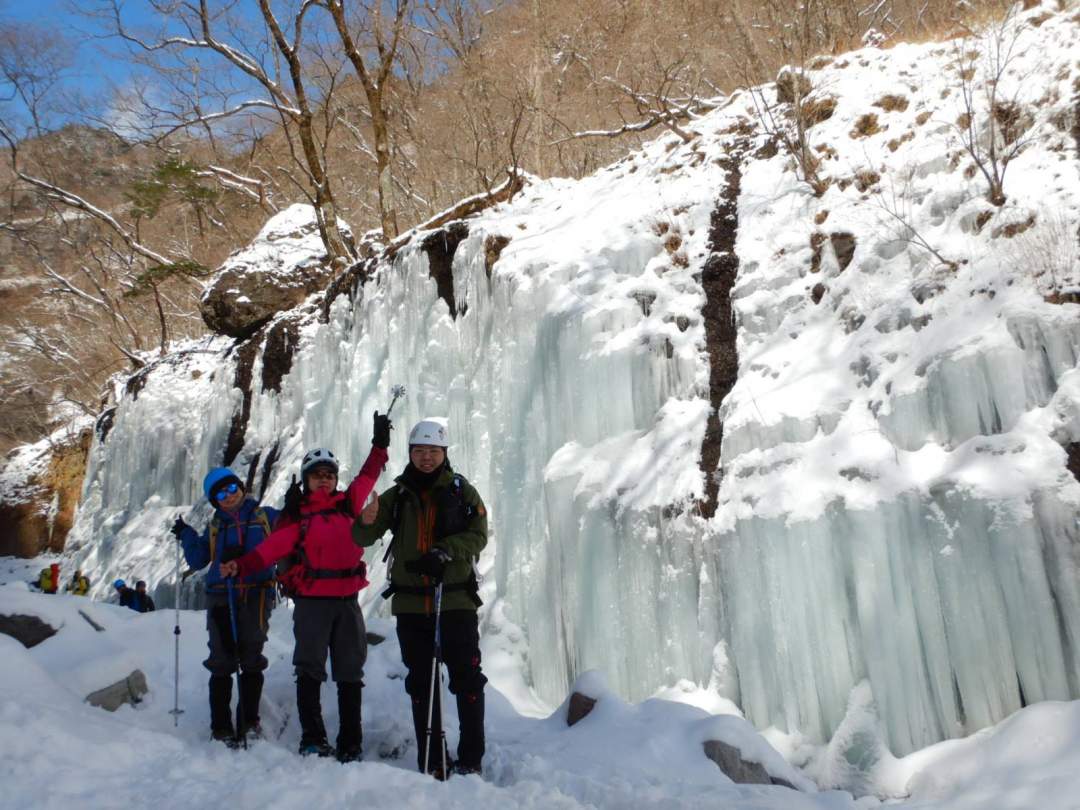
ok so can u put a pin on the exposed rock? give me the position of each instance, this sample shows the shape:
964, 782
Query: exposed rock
245, 358
493, 248
39, 492
729, 759
717, 278
818, 110
1072, 453
369, 250
105, 423
504, 192
349, 282
843, 245
792, 84
91, 622
27, 630
281, 341
281, 267
580, 705
440, 248
374, 638
127, 690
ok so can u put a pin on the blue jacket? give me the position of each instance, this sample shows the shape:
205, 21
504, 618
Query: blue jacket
237, 534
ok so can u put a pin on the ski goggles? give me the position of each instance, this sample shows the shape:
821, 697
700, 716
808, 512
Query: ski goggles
226, 491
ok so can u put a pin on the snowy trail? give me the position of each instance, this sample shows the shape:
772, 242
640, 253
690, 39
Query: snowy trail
56, 751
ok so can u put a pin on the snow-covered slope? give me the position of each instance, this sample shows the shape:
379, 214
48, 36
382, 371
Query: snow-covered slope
56, 750
894, 505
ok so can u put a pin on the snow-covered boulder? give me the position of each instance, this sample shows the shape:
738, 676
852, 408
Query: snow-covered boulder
741, 753
27, 630
128, 690
729, 759
282, 266
93, 665
586, 691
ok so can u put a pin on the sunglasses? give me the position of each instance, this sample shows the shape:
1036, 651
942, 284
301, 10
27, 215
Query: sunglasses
226, 491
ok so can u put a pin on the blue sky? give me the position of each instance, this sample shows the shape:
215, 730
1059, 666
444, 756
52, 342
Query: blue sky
99, 66
93, 67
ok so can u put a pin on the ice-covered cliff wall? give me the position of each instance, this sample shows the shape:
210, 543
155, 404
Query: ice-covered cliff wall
894, 499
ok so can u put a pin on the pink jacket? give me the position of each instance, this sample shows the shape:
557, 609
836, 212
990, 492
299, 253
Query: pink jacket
328, 543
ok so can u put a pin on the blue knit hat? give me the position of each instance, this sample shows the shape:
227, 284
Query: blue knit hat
216, 479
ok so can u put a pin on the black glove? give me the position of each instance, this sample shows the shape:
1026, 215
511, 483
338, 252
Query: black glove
380, 435
432, 564
178, 527
293, 496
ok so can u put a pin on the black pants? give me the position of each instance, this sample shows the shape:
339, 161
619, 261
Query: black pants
253, 607
461, 657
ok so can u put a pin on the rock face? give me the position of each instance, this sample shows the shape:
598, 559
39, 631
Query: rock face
40, 485
281, 267
580, 705
127, 690
27, 630
729, 759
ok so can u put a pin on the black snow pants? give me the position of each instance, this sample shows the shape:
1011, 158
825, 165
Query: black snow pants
461, 657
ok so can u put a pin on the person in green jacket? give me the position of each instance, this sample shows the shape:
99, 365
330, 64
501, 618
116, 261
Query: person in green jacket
439, 526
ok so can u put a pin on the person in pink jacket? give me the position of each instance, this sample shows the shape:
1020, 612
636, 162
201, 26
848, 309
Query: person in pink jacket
327, 574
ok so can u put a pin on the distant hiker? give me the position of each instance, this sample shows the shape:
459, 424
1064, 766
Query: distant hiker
141, 602
49, 579
439, 527
79, 584
239, 525
327, 573
125, 594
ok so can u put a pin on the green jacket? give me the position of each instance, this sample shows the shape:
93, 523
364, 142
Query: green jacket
450, 516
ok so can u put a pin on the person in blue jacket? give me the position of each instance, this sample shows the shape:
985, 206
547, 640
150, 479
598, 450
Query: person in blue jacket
142, 602
239, 524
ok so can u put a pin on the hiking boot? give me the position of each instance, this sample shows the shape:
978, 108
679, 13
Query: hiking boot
350, 739
221, 722
226, 736
470, 748
254, 731
251, 686
464, 769
309, 709
355, 754
439, 775
318, 748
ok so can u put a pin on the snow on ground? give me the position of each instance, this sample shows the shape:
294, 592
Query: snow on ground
56, 751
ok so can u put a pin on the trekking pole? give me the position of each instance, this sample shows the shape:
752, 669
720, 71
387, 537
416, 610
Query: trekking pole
240, 731
398, 391
436, 660
176, 710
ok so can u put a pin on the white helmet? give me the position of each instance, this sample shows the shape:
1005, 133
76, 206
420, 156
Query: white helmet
319, 455
430, 431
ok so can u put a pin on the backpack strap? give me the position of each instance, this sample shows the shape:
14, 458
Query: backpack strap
263, 519
215, 527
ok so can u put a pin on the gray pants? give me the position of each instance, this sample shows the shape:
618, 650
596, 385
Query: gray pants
329, 625
253, 607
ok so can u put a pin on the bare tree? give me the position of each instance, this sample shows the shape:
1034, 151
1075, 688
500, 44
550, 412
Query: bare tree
992, 120
367, 31
296, 79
